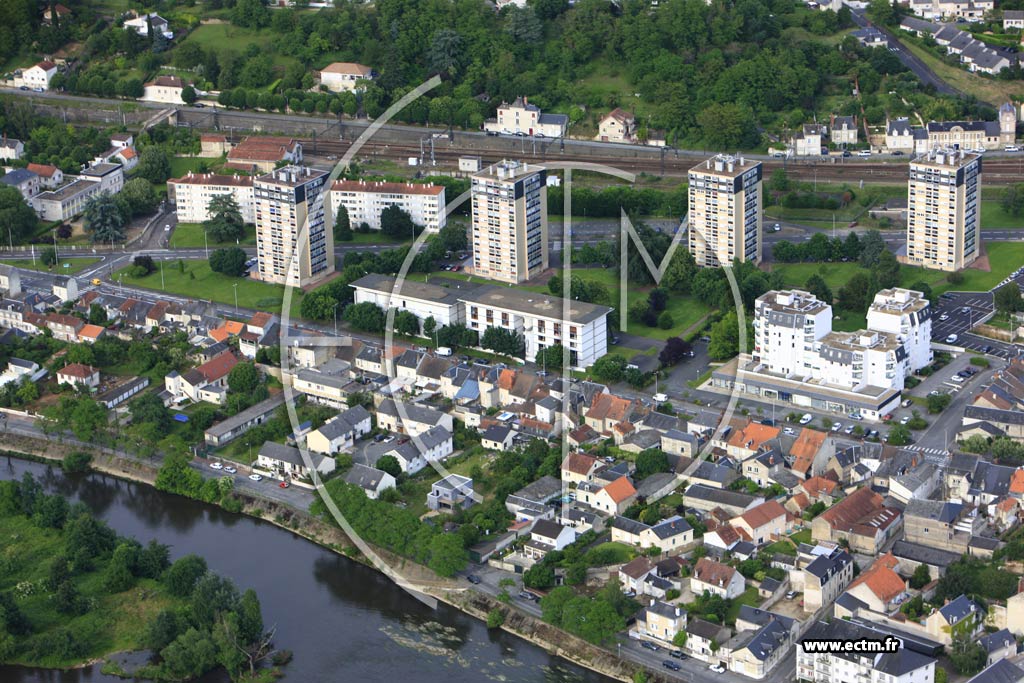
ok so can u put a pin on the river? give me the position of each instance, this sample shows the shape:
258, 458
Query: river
343, 620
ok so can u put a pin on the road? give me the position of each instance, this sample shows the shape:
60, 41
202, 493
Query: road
909, 60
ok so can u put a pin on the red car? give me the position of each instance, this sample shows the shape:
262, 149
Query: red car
284, 484
886, 418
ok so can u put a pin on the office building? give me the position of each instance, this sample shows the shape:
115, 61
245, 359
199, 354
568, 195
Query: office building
191, 195
510, 222
293, 245
365, 201
725, 210
944, 209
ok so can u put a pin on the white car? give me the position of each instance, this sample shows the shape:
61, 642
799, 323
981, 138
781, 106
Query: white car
944, 316
660, 398
864, 153
230, 470
951, 339
217, 465
777, 228
836, 426
806, 419
1011, 148
855, 416
255, 477
905, 419
789, 431
957, 379
167, 228
848, 430
717, 668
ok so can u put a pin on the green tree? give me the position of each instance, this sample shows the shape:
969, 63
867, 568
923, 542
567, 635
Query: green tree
182, 576
244, 378
445, 51
389, 464
225, 223
871, 247
447, 556
407, 323
921, 577
495, 618
191, 654
650, 462
119, 575
1008, 298
103, 219
137, 198
396, 222
899, 435
188, 95
342, 226
250, 14
228, 261
728, 126
967, 655
15, 213
162, 631
725, 338
365, 317
154, 165
429, 325
48, 256
817, 286
550, 358
887, 271
938, 402
609, 368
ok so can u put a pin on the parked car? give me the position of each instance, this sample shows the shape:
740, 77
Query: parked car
648, 645
806, 419
957, 378
255, 477
951, 339
284, 485
378, 438
848, 430
473, 579
789, 431
660, 398
388, 439
669, 664
230, 470
944, 317
965, 309
717, 668
905, 419
790, 595
217, 465
836, 426
906, 403
526, 595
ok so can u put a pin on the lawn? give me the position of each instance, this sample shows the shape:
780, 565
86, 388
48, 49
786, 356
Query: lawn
74, 264
747, 597
191, 235
994, 217
612, 553
802, 536
182, 165
375, 237
778, 547
223, 37
199, 282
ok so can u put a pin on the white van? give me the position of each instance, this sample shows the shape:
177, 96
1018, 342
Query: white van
806, 419
444, 351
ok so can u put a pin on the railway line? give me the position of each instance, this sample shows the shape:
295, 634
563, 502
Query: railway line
997, 171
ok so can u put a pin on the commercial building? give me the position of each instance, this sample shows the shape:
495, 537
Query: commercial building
787, 325
110, 177
365, 201
944, 209
191, 194
541, 320
725, 211
510, 222
293, 244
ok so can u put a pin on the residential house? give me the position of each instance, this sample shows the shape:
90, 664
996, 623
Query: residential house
618, 125
761, 468
65, 288
10, 148
942, 525
286, 461
49, 176
716, 578
668, 535
959, 617
755, 653
870, 37
547, 536
911, 555
880, 588
762, 524
264, 153
713, 475
999, 645
704, 639
811, 452
661, 621
64, 327
612, 498
706, 498
141, 24
822, 490
166, 89
1013, 19
747, 442
724, 537
862, 519
90, 334
371, 480
1002, 671
578, 468
531, 501
497, 437
904, 665
843, 130
522, 117
606, 411
39, 75
10, 281
24, 181
345, 76
414, 453
451, 493
340, 432
207, 382
824, 577
410, 418
809, 139
679, 443
78, 375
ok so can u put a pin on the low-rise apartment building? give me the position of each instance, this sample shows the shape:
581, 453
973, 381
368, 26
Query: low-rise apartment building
365, 201
191, 195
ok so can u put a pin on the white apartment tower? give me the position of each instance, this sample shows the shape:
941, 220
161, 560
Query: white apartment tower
944, 209
510, 222
787, 328
856, 360
725, 210
284, 203
908, 315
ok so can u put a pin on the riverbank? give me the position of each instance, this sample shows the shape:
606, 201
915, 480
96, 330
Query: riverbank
300, 523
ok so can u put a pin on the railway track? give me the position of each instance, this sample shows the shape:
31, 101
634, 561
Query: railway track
996, 171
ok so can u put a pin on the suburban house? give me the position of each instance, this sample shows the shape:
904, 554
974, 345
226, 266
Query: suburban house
413, 454
961, 616
39, 75
49, 176
618, 125
823, 572
880, 588
716, 578
669, 534
606, 411
810, 453
497, 437
578, 468
452, 493
142, 23
286, 461
531, 501
371, 480
264, 153
410, 418
522, 117
24, 181
611, 499
843, 130
547, 536
11, 148
1013, 18
207, 382
747, 442
704, 639
940, 524
78, 375
344, 76
64, 327
862, 518
808, 140
754, 653
661, 621
763, 523
341, 432
713, 475
165, 89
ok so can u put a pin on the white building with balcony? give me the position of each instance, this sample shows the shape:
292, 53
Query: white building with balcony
908, 315
787, 327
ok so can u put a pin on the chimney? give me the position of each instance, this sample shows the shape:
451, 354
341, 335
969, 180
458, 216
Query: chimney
678, 613
652, 602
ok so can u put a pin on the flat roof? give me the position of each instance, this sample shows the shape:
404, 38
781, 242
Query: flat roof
72, 189
533, 303
725, 165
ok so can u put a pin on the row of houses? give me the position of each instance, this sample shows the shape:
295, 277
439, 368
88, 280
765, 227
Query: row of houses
973, 53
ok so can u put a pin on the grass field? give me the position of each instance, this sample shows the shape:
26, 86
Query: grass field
199, 282
182, 165
747, 597
993, 216
74, 264
191, 235
222, 37
115, 623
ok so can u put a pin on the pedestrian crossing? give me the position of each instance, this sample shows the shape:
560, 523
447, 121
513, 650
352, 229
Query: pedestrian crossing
933, 451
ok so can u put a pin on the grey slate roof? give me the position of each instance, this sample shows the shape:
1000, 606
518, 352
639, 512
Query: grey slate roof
540, 491
413, 411
938, 510
365, 477
17, 176
1002, 671
924, 554
999, 639
958, 610
901, 662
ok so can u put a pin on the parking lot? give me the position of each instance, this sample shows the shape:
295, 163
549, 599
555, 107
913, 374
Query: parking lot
957, 312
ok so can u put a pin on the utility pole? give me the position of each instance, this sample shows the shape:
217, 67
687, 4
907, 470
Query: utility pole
235, 287
162, 275
335, 314
206, 245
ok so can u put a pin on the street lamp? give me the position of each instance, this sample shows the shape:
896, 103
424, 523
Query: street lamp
336, 318
235, 287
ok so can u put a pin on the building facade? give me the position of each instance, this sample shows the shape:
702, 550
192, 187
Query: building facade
908, 315
365, 201
510, 222
191, 194
293, 245
725, 211
944, 210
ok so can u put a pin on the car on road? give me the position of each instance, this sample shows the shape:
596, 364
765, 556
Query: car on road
1011, 148
848, 430
217, 465
660, 398
806, 419
97, 282
648, 645
951, 339
776, 228
167, 228
944, 317
526, 595
864, 153
284, 485
199, 105
473, 579
717, 668
789, 431
678, 654
873, 434
836, 426
897, 153
905, 419
255, 477
855, 416
230, 470
669, 664
24, 87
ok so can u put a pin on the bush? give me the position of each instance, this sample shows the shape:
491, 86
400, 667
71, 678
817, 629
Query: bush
495, 618
229, 261
76, 462
980, 361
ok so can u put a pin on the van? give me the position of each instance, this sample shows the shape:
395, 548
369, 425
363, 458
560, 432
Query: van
444, 351
660, 398
806, 419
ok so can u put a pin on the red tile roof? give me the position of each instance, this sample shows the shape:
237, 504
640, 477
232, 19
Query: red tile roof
714, 573
579, 463
620, 490
167, 82
218, 366
881, 579
43, 170
806, 446
609, 407
262, 148
863, 512
90, 331
752, 436
764, 513
77, 370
